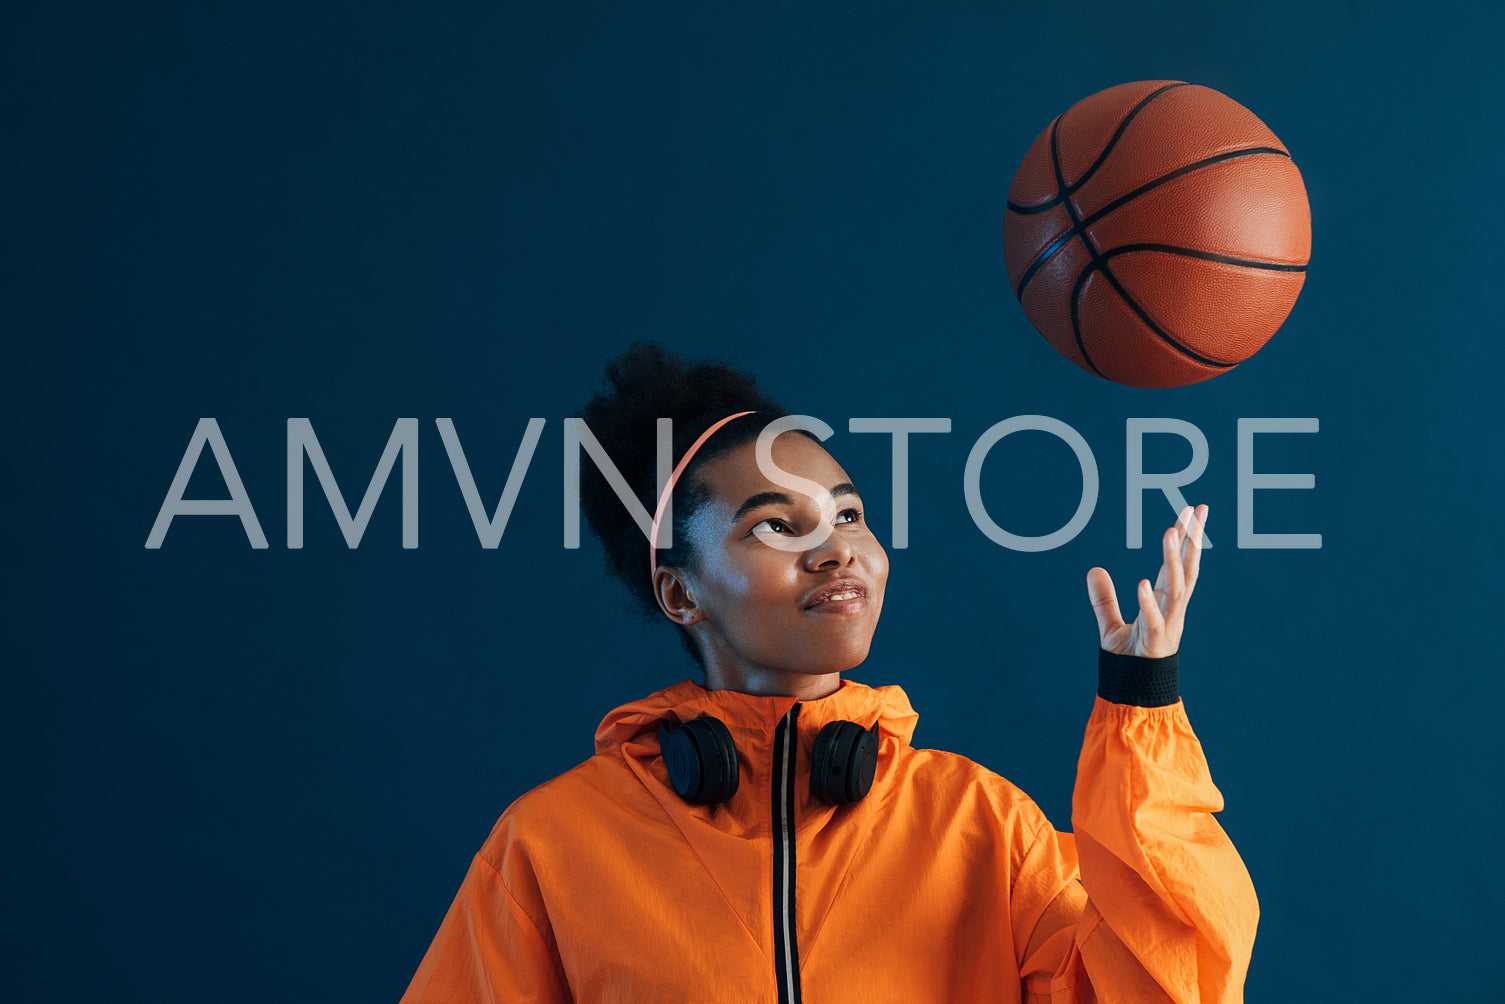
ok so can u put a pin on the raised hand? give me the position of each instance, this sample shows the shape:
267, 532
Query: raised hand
1156, 632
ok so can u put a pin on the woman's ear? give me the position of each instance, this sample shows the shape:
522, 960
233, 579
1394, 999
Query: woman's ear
674, 596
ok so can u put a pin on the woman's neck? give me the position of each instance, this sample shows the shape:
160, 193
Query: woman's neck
772, 682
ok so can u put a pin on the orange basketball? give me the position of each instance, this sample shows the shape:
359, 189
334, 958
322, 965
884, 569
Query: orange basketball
1157, 233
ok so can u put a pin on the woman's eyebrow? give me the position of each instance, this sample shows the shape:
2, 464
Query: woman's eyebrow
779, 498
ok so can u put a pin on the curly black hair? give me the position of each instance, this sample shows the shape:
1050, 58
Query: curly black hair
647, 383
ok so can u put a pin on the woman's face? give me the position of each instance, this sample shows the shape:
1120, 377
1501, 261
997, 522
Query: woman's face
762, 614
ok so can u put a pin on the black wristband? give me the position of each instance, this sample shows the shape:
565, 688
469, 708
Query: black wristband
1132, 679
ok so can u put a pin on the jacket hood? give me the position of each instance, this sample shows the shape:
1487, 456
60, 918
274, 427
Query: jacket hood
755, 715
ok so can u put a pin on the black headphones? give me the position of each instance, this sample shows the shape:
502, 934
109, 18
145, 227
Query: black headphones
702, 761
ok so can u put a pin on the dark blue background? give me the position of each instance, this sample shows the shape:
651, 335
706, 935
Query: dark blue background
252, 775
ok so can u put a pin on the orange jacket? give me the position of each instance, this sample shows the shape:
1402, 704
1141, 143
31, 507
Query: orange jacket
945, 884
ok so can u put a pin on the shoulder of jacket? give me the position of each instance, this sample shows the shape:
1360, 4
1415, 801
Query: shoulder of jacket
554, 804
957, 780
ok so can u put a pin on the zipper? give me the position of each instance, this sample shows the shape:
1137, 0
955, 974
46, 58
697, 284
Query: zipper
786, 961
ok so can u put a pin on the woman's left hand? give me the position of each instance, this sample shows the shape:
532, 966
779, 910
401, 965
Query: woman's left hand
1156, 632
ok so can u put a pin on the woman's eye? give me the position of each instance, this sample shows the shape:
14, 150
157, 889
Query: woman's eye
779, 526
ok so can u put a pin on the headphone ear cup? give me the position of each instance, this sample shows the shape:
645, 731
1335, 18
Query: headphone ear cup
701, 759
845, 760
723, 770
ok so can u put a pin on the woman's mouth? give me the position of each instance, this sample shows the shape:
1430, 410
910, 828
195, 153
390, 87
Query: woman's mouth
846, 597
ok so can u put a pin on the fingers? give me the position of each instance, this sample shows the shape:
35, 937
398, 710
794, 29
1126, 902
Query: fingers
1174, 565
1162, 606
1194, 547
1104, 601
1150, 616
1184, 554
1191, 527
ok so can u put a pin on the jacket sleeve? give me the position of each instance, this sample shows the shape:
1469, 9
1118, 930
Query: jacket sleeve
488, 951
1165, 909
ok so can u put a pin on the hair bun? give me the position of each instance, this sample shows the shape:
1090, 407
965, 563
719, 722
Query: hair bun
645, 383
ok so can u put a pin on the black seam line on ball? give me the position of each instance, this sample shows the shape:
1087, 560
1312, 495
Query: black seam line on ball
1055, 200
1093, 263
1101, 262
1050, 203
1148, 186
1076, 324
1225, 259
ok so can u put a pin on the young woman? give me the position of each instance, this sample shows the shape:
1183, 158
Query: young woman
771, 835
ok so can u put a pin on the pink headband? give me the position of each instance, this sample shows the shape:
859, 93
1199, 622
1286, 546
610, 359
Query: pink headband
663, 500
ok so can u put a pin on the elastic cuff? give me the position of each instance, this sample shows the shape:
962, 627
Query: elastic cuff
1132, 679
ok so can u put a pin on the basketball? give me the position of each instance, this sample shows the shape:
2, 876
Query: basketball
1157, 233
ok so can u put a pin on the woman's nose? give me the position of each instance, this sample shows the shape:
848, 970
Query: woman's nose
836, 549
